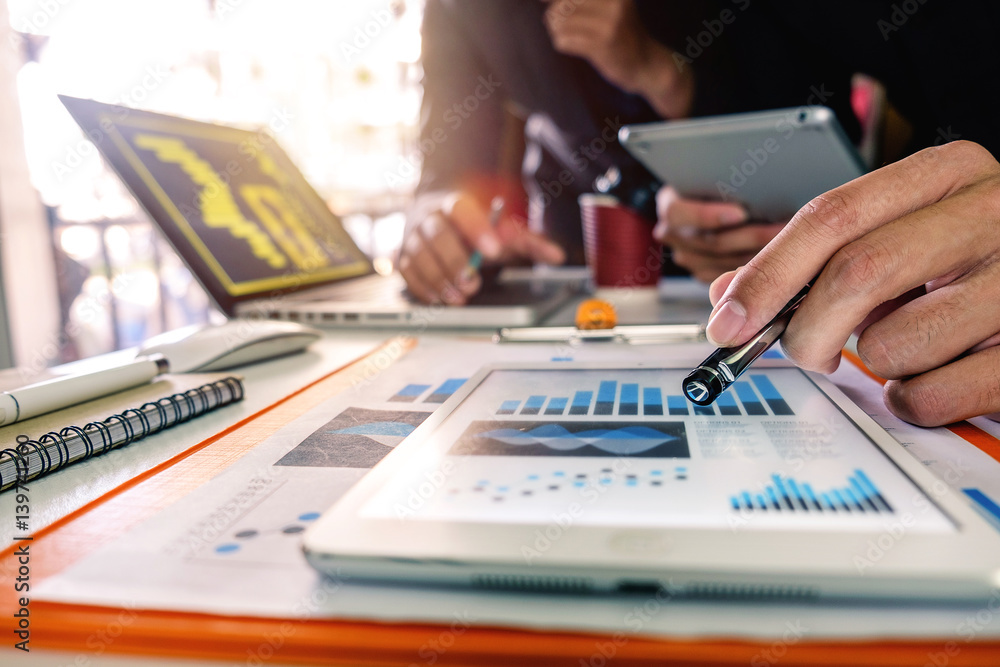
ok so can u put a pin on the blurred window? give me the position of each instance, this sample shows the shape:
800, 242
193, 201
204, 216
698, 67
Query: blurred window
344, 74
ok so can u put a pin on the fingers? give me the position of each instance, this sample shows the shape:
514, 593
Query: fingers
432, 261
675, 213
962, 389
708, 238
946, 238
831, 222
435, 257
935, 328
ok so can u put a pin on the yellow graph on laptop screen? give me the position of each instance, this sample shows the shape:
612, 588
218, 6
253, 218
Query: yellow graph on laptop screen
231, 201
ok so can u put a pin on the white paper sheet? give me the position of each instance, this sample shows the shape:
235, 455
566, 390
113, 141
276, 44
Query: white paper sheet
231, 547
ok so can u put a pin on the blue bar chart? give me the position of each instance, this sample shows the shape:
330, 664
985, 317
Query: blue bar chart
756, 396
774, 399
447, 388
785, 494
652, 401
409, 393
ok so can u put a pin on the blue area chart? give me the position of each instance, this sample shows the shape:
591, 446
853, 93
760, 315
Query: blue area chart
574, 439
625, 441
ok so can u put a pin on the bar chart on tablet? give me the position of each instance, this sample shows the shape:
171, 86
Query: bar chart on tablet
756, 396
624, 445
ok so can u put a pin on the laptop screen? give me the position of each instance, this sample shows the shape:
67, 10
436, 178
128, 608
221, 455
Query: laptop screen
230, 201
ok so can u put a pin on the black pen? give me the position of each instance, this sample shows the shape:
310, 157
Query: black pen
714, 375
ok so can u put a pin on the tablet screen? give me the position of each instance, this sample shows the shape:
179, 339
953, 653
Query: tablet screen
623, 447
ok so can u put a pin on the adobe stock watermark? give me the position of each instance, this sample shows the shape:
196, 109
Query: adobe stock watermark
453, 117
590, 492
364, 35
272, 642
431, 651
897, 530
899, 14
152, 78
797, 442
635, 621
580, 160
91, 307
758, 156
381, 360
420, 494
37, 21
793, 634
696, 45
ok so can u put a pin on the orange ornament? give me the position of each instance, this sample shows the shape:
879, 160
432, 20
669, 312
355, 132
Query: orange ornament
596, 314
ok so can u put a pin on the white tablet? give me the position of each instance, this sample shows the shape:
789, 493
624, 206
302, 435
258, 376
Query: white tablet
583, 478
773, 162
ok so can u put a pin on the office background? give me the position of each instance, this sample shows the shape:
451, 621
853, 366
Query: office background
336, 83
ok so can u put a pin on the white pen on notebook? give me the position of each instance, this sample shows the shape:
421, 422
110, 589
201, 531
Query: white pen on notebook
62, 392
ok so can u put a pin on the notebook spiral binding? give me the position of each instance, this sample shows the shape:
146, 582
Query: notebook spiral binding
31, 459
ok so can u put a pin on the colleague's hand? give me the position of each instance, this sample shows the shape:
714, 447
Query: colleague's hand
609, 34
434, 259
708, 238
926, 228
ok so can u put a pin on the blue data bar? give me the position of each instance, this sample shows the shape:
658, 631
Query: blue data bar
557, 406
652, 401
628, 404
770, 393
409, 393
581, 403
786, 494
508, 407
727, 404
606, 398
748, 397
677, 405
533, 405
447, 388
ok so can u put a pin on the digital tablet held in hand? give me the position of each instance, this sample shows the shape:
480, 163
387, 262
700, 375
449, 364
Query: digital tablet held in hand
772, 162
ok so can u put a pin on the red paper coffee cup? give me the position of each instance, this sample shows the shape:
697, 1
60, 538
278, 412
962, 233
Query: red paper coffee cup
618, 244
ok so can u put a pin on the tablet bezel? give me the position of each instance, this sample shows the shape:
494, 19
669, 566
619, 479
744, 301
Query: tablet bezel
960, 565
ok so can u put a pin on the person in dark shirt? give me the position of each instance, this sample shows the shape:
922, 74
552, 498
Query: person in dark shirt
575, 71
907, 256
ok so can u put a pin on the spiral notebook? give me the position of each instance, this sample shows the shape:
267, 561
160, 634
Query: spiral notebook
48, 443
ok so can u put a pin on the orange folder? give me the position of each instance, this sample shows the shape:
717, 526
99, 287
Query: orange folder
97, 630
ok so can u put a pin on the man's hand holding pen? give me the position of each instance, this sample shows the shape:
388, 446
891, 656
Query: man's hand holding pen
909, 257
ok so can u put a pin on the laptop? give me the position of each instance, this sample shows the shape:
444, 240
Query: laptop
261, 240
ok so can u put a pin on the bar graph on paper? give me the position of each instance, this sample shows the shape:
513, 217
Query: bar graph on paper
786, 494
756, 396
414, 393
